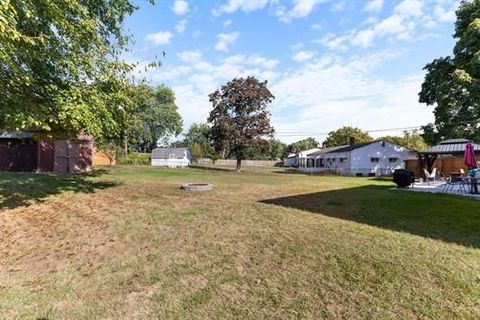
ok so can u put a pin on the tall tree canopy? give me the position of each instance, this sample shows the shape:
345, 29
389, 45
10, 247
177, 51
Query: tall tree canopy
302, 145
155, 117
342, 136
59, 65
410, 139
199, 140
452, 84
240, 118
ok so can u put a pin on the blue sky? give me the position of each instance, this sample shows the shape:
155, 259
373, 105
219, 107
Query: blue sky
328, 63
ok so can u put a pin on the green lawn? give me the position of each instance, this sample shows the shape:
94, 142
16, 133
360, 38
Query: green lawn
127, 243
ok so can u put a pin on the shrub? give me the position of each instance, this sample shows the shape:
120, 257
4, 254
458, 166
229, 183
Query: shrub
136, 158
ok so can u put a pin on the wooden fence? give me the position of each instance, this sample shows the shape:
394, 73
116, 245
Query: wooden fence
447, 165
246, 163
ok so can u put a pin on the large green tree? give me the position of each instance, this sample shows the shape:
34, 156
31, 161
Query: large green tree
240, 118
154, 118
342, 136
452, 83
199, 140
273, 149
301, 145
60, 70
410, 139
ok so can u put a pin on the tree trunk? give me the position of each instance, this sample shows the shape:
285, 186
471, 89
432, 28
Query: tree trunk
126, 145
239, 164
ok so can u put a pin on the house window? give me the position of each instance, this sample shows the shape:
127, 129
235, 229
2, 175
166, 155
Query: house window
374, 160
343, 159
310, 163
172, 156
392, 160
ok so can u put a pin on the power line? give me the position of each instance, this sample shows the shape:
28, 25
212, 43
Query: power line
306, 133
313, 133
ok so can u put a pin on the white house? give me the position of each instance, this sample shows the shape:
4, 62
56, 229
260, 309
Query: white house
171, 157
358, 159
302, 157
290, 160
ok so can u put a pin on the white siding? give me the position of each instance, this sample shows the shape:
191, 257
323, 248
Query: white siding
171, 163
358, 161
361, 158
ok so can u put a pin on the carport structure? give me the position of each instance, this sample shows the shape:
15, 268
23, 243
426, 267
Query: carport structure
452, 147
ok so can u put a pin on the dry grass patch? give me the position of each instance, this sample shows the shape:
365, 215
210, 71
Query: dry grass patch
145, 249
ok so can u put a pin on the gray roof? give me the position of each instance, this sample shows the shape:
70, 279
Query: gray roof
16, 135
164, 153
344, 148
325, 150
451, 146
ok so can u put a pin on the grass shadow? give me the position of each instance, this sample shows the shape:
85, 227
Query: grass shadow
212, 168
444, 217
23, 189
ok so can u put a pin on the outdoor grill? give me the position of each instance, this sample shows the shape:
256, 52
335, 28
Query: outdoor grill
403, 178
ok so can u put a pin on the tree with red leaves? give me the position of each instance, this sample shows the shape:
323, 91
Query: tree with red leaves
240, 119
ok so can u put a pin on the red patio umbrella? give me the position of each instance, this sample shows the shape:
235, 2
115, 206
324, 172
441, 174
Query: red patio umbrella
469, 156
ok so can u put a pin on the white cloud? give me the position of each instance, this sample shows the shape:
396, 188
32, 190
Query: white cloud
300, 9
338, 6
445, 15
373, 5
244, 5
181, 26
190, 56
226, 23
224, 40
331, 92
197, 33
408, 8
159, 38
193, 81
302, 56
180, 7
331, 41
319, 96
408, 21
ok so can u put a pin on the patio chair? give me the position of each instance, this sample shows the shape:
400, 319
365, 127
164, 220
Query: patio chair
452, 184
430, 176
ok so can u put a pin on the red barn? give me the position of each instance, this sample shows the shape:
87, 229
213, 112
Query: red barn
21, 152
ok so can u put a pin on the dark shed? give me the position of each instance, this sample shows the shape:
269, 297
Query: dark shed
21, 152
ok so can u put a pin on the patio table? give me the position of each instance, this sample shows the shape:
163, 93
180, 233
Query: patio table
455, 176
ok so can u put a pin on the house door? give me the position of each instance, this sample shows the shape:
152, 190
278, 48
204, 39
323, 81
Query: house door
62, 156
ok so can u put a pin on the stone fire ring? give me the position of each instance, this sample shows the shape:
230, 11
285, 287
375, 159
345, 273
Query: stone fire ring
197, 186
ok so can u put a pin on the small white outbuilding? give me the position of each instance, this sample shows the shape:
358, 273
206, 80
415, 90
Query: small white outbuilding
171, 157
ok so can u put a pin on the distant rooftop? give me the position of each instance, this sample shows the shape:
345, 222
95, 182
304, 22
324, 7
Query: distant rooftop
15, 135
452, 146
326, 150
164, 153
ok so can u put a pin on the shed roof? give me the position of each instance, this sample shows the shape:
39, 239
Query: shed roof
451, 146
15, 135
164, 153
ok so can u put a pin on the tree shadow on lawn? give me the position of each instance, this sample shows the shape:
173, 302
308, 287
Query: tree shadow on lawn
23, 189
438, 216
